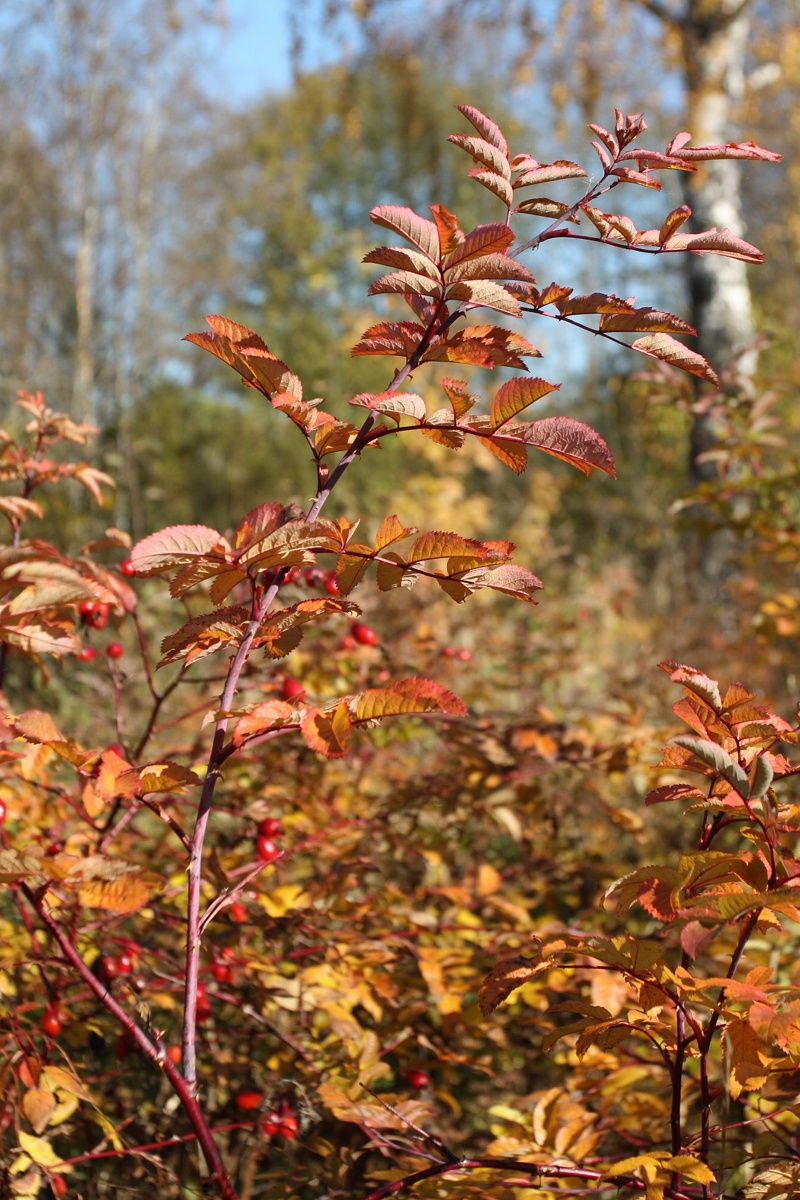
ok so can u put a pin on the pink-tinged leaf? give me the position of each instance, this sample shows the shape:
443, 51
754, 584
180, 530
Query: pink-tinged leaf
496, 184
655, 160
729, 150
419, 230
291, 542
626, 175
407, 260
93, 480
548, 173
673, 222
486, 346
508, 578
486, 294
405, 281
393, 404
198, 571
483, 152
722, 241
489, 266
485, 127
697, 682
566, 438
391, 530
327, 732
263, 520
205, 634
515, 396
176, 545
592, 302
542, 207
406, 696
669, 350
390, 337
269, 715
644, 320
234, 332
609, 141
510, 454
492, 238
606, 161
696, 937
442, 545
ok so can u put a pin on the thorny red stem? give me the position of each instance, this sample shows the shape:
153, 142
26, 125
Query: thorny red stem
151, 1047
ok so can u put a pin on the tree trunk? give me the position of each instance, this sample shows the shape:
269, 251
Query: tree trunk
714, 39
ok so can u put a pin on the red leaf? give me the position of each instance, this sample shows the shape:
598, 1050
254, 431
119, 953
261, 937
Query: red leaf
515, 396
486, 294
572, 440
447, 224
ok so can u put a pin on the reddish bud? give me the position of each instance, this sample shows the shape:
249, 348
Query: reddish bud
448, 652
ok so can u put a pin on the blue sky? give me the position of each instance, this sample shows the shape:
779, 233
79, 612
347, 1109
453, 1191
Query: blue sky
251, 55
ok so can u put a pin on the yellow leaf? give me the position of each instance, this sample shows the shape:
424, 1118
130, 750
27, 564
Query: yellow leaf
124, 895
283, 899
108, 1129
40, 1150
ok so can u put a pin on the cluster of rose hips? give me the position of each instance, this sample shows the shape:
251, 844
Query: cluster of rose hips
94, 615
280, 1122
463, 655
267, 849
